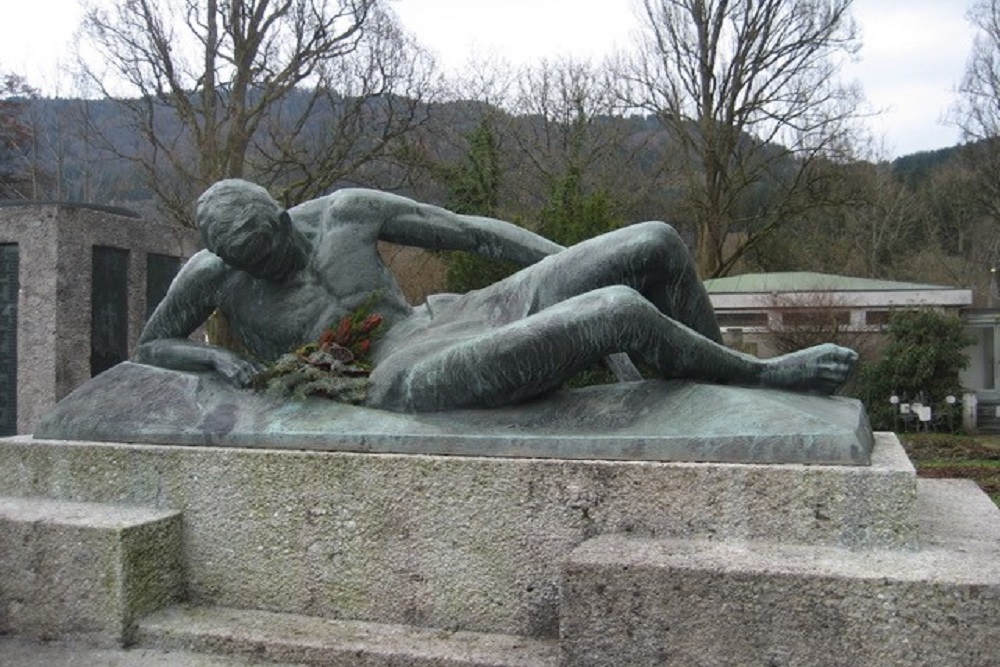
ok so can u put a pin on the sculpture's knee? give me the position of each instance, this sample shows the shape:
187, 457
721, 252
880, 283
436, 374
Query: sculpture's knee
623, 303
660, 240
657, 228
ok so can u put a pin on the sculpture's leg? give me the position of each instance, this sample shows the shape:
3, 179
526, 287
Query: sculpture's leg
537, 354
649, 257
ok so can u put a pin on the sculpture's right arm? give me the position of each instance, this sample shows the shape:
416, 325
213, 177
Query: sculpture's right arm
407, 222
188, 303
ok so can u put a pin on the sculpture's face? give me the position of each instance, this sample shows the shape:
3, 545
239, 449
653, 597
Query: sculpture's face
243, 225
269, 249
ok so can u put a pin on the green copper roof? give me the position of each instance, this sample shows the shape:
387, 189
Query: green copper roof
805, 281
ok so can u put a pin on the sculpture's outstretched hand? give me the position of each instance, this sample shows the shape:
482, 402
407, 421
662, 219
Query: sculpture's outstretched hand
235, 369
186, 355
823, 369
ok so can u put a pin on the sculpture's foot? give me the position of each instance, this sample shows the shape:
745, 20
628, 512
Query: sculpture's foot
823, 369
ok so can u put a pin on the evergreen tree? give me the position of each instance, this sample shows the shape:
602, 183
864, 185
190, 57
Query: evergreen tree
474, 187
475, 183
571, 216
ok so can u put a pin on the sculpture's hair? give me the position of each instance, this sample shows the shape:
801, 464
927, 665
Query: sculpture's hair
241, 223
238, 220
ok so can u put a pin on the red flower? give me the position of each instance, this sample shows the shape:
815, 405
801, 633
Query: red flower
343, 333
371, 323
326, 339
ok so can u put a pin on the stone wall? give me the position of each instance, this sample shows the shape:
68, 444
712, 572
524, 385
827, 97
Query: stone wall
55, 244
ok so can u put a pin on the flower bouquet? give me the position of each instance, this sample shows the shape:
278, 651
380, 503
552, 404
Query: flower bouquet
336, 366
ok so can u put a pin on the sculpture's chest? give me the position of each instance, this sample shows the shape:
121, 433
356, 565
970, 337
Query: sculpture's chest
278, 317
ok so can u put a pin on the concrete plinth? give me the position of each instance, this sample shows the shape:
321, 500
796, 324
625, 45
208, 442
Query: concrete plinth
689, 603
401, 560
464, 543
84, 571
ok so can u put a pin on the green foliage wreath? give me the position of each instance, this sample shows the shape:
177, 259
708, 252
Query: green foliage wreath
336, 366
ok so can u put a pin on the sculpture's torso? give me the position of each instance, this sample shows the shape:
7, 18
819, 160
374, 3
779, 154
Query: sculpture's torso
344, 272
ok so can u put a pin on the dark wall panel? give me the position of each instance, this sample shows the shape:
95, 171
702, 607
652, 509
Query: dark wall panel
9, 286
160, 272
108, 308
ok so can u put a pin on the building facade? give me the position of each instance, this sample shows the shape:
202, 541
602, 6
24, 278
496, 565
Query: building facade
77, 283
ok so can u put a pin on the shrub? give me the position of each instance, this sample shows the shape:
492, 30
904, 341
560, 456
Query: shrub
922, 360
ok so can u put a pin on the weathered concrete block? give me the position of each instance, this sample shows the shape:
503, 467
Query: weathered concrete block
691, 603
83, 570
464, 543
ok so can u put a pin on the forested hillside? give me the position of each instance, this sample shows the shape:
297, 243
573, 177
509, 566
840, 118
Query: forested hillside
750, 146
911, 219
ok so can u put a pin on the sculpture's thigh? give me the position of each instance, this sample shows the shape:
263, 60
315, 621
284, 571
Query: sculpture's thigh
519, 360
650, 258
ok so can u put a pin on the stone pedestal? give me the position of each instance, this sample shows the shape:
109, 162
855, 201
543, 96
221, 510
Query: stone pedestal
471, 543
572, 562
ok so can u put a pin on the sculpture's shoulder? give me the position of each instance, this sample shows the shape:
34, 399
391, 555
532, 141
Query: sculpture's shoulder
355, 206
360, 197
204, 272
347, 216
205, 263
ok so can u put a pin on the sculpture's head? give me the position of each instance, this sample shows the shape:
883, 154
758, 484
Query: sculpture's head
241, 223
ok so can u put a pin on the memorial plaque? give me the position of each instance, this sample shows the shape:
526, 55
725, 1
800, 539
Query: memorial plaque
108, 308
9, 285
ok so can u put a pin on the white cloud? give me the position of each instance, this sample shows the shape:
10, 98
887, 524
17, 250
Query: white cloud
36, 38
913, 57
520, 30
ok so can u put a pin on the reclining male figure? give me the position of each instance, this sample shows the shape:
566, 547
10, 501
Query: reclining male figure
282, 277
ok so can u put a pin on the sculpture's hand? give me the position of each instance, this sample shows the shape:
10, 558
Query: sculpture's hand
237, 370
191, 356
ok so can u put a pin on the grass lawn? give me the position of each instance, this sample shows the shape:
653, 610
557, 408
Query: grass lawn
941, 455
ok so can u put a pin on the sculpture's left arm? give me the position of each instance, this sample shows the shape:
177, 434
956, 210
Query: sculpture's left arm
407, 222
188, 303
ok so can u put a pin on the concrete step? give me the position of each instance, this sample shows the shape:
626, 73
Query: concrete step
293, 638
678, 602
20, 652
84, 571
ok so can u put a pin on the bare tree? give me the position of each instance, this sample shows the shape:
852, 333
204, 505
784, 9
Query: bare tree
963, 245
977, 113
805, 319
575, 153
748, 89
16, 138
297, 94
874, 226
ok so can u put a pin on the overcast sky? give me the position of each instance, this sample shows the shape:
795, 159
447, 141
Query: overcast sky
913, 57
